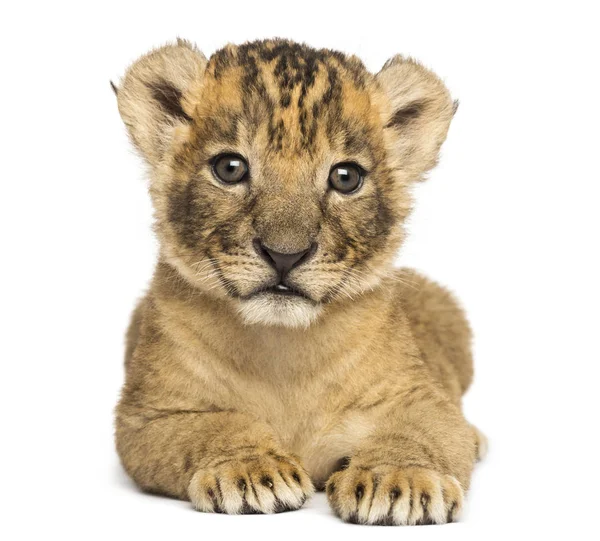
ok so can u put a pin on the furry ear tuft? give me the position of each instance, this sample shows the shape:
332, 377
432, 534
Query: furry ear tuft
153, 98
419, 113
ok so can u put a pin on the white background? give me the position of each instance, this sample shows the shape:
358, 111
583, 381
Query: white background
508, 220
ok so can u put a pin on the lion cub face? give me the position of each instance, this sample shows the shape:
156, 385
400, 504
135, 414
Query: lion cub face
280, 173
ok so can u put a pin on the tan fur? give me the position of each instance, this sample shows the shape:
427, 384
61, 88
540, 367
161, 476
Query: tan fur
242, 402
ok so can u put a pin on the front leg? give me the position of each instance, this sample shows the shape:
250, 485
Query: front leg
221, 461
413, 469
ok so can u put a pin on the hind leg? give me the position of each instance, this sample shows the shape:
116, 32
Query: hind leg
441, 331
443, 335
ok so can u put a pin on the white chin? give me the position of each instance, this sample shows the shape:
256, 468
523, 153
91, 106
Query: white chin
278, 310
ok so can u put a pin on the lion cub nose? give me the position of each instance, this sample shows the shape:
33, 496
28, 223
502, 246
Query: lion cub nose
283, 263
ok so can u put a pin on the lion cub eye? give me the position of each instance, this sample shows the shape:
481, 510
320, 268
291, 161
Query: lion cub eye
230, 168
345, 177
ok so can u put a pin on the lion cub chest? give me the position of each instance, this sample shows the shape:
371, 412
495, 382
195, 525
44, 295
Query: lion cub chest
315, 428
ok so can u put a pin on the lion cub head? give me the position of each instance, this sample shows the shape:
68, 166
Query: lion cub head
280, 174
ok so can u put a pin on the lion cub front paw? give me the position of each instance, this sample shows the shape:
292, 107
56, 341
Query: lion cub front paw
266, 483
393, 495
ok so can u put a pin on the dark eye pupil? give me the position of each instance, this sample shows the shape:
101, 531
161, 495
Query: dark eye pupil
345, 178
229, 168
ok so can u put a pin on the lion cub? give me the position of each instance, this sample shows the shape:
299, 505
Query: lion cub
277, 349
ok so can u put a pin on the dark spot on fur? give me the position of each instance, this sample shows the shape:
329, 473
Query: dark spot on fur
247, 510
286, 99
182, 212
342, 463
281, 507
254, 492
215, 502
219, 62
404, 116
276, 456
450, 517
266, 481
169, 99
353, 518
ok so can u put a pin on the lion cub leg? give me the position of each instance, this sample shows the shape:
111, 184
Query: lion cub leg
443, 336
221, 461
415, 466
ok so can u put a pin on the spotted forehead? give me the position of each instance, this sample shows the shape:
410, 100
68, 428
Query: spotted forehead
302, 95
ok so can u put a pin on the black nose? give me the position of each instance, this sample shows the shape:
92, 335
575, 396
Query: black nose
283, 263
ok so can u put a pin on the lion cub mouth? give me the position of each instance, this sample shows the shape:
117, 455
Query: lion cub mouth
281, 290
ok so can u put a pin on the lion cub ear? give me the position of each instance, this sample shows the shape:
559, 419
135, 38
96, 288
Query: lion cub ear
418, 114
153, 96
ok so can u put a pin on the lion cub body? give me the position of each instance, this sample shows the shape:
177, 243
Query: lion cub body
322, 390
241, 400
